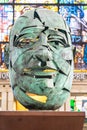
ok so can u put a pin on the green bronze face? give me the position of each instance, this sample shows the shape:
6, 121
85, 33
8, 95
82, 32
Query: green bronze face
41, 60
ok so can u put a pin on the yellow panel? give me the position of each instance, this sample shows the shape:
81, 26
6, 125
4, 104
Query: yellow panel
20, 107
40, 98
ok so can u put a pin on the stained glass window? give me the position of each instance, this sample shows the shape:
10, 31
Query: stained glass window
20, 9
6, 21
76, 18
73, 11
73, 1
6, 1
35, 1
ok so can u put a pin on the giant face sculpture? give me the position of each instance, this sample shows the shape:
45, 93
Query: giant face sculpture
41, 60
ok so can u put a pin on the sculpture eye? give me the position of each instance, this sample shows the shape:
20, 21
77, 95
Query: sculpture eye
24, 42
56, 42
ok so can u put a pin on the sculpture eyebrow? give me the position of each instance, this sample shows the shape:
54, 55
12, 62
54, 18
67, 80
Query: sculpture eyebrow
23, 32
16, 37
27, 27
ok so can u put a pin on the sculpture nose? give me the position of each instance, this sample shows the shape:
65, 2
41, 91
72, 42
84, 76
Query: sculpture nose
43, 52
43, 55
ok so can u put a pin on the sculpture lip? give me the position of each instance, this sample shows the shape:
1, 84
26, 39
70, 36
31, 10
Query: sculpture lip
37, 76
40, 73
43, 76
46, 70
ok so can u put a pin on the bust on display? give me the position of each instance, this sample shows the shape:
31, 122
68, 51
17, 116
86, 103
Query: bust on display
41, 60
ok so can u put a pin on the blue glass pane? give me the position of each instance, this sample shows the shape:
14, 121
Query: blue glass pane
35, 1
6, 21
76, 18
73, 1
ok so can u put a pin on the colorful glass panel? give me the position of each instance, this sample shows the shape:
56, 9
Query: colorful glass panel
72, 1
6, 1
6, 21
20, 9
76, 17
35, 1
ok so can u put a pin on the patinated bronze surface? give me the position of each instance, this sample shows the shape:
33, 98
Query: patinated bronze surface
41, 60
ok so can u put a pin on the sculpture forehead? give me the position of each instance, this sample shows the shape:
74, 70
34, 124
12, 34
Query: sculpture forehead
45, 17
39, 17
